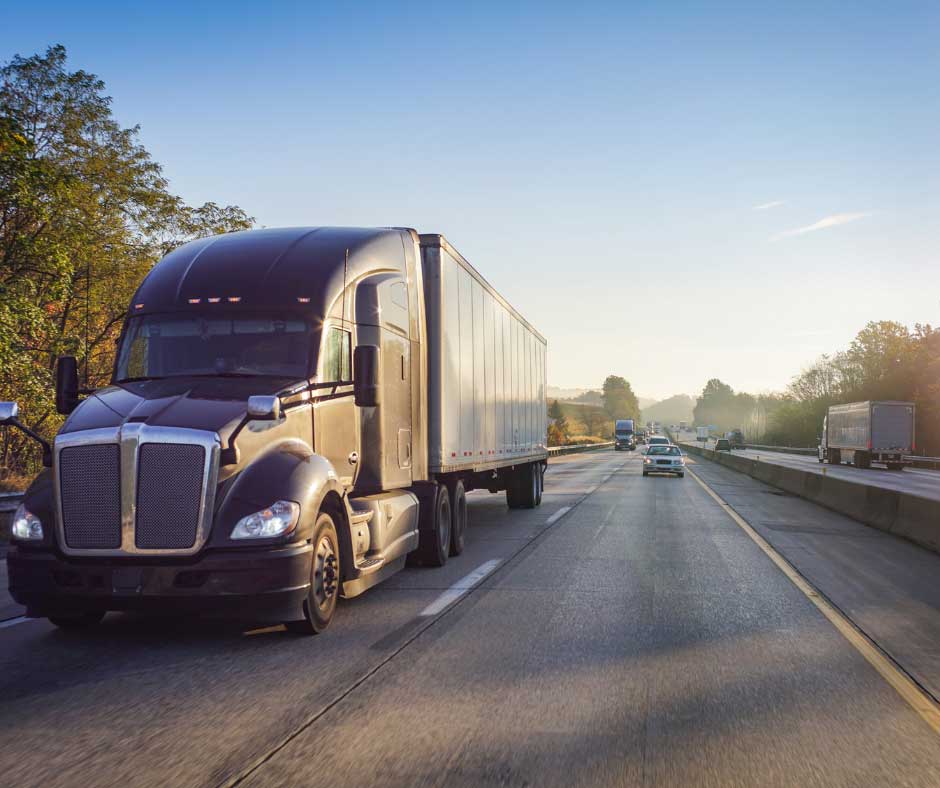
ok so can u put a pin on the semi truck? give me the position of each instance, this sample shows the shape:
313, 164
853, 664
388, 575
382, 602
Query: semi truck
293, 413
861, 433
624, 437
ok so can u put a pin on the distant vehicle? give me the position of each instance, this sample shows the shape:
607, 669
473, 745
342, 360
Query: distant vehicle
722, 444
737, 439
624, 438
683, 426
861, 433
657, 440
701, 434
280, 430
664, 458
641, 438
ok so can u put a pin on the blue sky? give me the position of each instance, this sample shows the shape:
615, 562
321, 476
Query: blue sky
601, 164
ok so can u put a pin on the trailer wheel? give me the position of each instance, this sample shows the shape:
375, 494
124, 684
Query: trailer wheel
524, 488
460, 518
834, 456
540, 474
434, 529
320, 604
862, 460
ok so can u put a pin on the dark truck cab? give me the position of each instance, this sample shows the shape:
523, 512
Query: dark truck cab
263, 446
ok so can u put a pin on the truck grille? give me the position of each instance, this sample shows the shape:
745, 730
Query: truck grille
135, 489
169, 492
91, 496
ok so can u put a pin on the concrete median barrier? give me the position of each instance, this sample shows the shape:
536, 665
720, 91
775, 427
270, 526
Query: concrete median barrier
909, 516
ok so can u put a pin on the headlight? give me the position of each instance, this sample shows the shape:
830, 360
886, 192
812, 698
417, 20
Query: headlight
647, 461
278, 519
26, 525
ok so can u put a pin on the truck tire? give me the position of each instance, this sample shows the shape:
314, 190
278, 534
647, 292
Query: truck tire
434, 528
320, 604
540, 469
522, 492
862, 460
459, 516
78, 621
834, 457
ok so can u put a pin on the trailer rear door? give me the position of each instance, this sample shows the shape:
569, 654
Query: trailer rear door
892, 426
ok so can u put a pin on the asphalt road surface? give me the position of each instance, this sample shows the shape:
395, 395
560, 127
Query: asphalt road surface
915, 481
628, 632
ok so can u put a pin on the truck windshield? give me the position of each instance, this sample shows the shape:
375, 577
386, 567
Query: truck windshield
159, 346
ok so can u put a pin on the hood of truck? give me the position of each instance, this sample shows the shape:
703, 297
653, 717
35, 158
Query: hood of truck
213, 404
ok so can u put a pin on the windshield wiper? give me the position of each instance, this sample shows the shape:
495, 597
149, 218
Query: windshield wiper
140, 379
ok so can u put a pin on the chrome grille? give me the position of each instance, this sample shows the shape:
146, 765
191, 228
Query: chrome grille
90, 479
169, 494
135, 490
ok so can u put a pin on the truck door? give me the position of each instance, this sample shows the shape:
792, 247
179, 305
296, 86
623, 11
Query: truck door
382, 319
335, 419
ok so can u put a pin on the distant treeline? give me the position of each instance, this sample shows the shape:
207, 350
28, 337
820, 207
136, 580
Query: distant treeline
885, 361
580, 420
85, 212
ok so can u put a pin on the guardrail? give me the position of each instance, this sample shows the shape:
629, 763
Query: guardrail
9, 501
577, 448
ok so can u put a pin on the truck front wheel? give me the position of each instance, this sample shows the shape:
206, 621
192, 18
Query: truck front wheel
320, 604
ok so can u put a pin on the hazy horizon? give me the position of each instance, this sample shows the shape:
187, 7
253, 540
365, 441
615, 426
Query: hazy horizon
669, 194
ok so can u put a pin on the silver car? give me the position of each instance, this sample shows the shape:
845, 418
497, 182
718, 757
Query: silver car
664, 459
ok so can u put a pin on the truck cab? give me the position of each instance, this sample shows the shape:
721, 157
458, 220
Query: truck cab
258, 448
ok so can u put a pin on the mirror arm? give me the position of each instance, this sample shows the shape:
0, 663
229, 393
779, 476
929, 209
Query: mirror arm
46, 448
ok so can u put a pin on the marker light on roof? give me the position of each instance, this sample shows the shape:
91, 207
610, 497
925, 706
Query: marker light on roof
303, 299
138, 306
234, 299
194, 300
214, 300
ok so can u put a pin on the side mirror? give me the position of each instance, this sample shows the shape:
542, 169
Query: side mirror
264, 406
66, 384
9, 417
9, 411
366, 376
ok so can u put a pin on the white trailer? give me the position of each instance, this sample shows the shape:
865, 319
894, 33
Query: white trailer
486, 374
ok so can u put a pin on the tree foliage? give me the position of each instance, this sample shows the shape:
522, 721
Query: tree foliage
619, 400
886, 360
85, 212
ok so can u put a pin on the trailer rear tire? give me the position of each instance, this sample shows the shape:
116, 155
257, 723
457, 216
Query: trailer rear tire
434, 528
834, 457
524, 488
460, 518
862, 460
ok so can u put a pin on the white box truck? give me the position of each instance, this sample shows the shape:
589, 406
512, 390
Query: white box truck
861, 433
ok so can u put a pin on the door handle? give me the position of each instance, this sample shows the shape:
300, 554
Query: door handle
353, 457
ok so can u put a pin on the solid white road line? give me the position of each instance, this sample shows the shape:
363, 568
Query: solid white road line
903, 684
558, 515
460, 588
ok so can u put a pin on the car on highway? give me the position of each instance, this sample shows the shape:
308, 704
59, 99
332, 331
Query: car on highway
737, 439
658, 440
664, 459
723, 444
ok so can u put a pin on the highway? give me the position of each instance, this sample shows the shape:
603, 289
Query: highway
915, 481
629, 631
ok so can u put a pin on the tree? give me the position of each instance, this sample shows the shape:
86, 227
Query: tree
84, 214
558, 429
619, 400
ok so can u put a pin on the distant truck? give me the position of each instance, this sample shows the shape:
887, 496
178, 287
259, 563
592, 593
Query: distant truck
861, 433
292, 413
624, 436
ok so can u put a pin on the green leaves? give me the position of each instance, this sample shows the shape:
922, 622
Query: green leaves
85, 212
